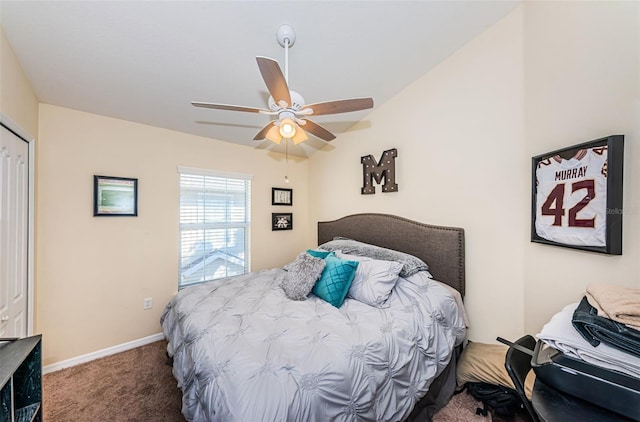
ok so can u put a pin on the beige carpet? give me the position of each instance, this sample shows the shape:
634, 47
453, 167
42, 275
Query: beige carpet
461, 408
137, 385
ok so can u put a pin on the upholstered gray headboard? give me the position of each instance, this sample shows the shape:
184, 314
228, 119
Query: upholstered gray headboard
442, 248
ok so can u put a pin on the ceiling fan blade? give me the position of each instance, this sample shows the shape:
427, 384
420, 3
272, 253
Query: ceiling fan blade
340, 106
274, 79
263, 132
318, 130
230, 107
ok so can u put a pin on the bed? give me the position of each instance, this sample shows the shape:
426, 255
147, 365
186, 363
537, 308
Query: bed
243, 351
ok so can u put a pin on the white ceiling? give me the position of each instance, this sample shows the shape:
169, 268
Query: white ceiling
145, 61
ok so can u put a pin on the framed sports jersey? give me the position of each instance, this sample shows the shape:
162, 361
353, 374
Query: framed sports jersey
576, 199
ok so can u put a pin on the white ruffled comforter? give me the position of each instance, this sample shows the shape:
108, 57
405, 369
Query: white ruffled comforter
244, 352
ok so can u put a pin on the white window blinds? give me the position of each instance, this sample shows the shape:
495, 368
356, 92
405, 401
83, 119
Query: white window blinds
214, 225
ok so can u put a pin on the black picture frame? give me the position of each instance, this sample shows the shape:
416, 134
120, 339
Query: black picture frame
115, 196
281, 196
281, 221
578, 224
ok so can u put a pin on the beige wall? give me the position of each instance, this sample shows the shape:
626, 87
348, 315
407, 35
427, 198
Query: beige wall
582, 82
458, 131
18, 101
94, 272
549, 75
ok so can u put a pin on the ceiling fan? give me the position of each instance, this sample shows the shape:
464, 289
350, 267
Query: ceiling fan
289, 106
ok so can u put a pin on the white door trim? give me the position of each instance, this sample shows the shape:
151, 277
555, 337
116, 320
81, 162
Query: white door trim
15, 128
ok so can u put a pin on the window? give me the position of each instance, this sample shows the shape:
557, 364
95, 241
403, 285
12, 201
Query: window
214, 225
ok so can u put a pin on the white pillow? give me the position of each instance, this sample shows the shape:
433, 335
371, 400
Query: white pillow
374, 279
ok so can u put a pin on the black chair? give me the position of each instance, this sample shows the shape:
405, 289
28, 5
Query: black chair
518, 365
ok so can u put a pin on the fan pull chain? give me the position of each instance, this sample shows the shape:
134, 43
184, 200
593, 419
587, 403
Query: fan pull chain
286, 160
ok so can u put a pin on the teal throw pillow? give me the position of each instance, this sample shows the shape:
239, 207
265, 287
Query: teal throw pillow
319, 254
335, 280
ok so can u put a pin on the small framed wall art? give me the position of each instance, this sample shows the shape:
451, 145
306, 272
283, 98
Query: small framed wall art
576, 196
281, 196
281, 221
115, 196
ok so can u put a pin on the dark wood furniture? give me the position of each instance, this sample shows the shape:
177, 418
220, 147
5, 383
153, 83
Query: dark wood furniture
21, 380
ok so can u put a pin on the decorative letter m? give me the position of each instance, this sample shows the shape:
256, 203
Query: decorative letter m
384, 169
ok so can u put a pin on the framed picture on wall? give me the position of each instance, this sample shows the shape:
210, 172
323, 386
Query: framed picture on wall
281, 221
115, 196
281, 196
576, 196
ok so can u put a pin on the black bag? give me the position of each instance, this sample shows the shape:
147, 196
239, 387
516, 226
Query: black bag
497, 399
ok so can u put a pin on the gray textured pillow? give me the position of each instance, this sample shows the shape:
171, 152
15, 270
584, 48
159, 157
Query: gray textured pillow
301, 276
410, 263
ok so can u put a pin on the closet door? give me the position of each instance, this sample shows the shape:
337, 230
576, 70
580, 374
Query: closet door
14, 234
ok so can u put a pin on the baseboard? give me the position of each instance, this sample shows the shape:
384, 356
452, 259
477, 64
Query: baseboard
101, 353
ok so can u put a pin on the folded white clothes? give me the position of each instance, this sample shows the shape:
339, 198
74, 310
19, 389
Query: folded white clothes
560, 334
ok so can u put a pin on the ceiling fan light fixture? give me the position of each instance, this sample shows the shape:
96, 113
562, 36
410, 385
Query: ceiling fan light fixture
287, 128
300, 136
290, 107
274, 135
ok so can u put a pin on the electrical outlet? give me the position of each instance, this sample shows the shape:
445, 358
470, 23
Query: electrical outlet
148, 303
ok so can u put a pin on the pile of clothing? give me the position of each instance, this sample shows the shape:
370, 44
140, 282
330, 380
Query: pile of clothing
603, 329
